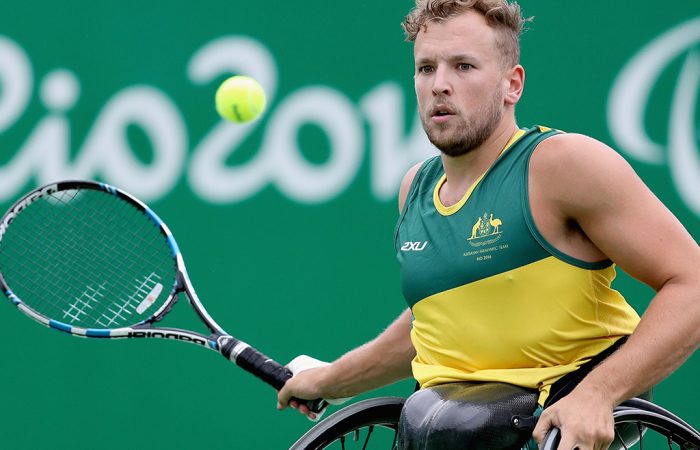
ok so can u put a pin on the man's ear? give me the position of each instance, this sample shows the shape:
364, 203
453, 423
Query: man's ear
514, 80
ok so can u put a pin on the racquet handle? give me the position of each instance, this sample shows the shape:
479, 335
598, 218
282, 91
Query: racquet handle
267, 369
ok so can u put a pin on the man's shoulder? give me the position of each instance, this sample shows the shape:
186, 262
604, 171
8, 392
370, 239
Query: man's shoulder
573, 168
574, 150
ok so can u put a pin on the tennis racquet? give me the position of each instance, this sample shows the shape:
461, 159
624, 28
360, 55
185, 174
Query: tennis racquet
91, 260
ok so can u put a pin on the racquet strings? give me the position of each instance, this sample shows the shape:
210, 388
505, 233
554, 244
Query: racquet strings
87, 258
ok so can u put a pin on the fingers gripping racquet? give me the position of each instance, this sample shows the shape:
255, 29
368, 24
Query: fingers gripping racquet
89, 259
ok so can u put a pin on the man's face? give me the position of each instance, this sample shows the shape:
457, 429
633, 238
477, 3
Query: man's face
459, 82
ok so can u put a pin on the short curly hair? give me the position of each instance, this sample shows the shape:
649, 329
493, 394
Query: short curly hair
503, 15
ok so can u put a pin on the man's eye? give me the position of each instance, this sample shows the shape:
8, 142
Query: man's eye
464, 66
425, 69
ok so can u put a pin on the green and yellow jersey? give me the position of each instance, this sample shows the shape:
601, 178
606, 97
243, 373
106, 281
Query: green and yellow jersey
492, 300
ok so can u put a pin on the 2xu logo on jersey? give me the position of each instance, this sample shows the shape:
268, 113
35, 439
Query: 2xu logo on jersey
413, 246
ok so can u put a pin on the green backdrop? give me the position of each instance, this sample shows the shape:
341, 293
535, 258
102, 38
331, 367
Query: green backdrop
286, 225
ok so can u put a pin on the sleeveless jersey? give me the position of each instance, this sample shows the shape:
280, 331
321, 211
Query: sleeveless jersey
492, 300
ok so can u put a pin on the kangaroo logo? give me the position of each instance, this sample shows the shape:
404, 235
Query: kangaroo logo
486, 230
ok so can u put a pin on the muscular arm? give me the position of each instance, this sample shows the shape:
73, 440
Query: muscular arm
382, 361
590, 185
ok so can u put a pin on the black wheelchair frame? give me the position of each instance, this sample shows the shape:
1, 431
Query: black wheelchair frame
356, 425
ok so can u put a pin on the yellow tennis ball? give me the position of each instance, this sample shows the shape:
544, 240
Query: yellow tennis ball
240, 99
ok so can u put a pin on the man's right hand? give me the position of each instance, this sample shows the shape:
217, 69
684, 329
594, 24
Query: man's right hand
382, 361
307, 384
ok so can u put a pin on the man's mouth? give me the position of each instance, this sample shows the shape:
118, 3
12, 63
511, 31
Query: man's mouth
441, 111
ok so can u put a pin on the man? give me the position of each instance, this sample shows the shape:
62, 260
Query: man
516, 231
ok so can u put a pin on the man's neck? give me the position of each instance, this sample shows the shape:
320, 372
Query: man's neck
464, 170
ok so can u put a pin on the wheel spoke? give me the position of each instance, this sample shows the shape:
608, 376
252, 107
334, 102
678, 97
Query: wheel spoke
369, 433
619, 437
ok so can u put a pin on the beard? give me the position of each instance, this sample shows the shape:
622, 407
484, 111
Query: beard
460, 136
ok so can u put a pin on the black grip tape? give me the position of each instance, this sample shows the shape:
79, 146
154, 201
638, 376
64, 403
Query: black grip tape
263, 367
268, 370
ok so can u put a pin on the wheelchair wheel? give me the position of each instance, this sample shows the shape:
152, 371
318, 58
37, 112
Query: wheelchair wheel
369, 424
644, 425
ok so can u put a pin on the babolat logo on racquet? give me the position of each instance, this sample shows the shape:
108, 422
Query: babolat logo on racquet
91, 260
162, 335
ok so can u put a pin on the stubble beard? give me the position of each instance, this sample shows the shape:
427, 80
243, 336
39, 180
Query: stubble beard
459, 136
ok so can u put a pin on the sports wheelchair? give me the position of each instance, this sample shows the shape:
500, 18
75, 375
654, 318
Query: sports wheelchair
373, 424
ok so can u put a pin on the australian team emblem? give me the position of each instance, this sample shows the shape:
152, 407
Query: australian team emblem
486, 230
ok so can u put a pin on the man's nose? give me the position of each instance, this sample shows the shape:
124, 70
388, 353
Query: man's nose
441, 82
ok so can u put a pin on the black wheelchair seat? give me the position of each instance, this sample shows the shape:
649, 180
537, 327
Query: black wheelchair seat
469, 415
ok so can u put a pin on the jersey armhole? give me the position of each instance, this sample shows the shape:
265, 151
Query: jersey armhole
412, 192
414, 183
532, 227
